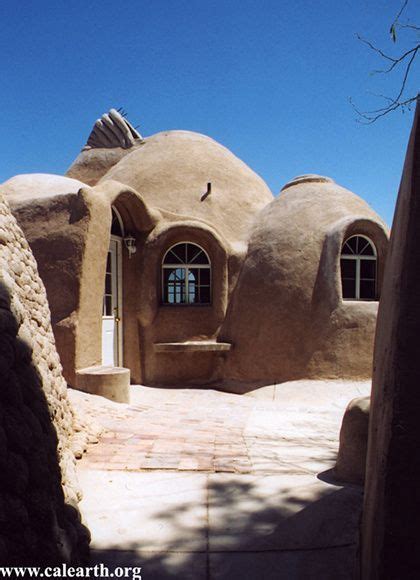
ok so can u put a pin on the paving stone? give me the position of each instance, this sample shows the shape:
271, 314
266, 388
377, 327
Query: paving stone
145, 511
193, 487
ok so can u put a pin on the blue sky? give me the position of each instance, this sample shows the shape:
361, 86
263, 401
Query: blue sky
268, 79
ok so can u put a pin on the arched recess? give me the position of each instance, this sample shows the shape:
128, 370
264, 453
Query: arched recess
137, 219
327, 293
134, 211
378, 234
342, 331
179, 323
163, 238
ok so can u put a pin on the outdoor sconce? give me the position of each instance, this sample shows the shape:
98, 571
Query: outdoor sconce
130, 244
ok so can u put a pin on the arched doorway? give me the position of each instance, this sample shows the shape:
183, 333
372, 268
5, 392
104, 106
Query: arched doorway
112, 315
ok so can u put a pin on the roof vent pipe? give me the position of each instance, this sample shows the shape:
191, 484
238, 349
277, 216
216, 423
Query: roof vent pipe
208, 192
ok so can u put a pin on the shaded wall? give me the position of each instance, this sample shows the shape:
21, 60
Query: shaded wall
56, 229
67, 227
38, 486
390, 530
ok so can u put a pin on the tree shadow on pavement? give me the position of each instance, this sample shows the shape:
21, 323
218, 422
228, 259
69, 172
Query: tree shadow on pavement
255, 527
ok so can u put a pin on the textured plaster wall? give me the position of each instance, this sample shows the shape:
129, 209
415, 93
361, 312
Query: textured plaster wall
287, 318
40, 522
55, 221
275, 265
171, 170
161, 323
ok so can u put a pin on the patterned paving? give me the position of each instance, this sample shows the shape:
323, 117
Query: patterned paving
189, 433
198, 485
209, 431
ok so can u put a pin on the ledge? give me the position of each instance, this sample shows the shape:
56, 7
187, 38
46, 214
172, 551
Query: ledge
193, 346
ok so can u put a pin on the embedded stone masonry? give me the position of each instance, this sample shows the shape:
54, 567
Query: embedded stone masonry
39, 493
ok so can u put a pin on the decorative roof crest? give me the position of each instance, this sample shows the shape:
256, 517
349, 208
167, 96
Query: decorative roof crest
112, 130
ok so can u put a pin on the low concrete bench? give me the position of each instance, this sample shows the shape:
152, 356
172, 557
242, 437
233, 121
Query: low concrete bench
107, 381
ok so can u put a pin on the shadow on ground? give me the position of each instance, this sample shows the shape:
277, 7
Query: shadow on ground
254, 528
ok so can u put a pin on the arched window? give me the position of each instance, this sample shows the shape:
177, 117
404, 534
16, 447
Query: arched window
358, 269
186, 275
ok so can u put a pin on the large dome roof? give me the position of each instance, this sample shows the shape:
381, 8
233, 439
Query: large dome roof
172, 170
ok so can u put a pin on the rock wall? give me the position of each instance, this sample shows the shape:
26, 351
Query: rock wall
40, 522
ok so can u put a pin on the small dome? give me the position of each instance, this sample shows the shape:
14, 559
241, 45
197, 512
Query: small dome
23, 188
274, 319
308, 178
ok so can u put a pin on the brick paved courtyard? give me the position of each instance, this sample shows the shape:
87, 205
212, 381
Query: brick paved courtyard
196, 483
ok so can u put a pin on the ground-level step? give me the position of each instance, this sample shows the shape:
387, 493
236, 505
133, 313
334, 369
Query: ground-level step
107, 381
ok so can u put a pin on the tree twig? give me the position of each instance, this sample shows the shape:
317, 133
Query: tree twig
406, 60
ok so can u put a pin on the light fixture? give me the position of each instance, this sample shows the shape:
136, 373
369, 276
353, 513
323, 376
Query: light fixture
130, 244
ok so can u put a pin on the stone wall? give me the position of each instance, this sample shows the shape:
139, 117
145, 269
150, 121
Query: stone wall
40, 522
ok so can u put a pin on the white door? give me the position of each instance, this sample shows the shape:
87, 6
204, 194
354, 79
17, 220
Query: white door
112, 307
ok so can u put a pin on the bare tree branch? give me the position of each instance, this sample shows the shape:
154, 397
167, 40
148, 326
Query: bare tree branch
394, 24
378, 50
402, 62
394, 61
412, 26
370, 117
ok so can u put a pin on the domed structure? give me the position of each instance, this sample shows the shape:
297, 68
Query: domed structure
168, 256
192, 175
288, 318
39, 185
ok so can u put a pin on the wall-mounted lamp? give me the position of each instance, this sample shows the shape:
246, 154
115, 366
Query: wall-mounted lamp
130, 244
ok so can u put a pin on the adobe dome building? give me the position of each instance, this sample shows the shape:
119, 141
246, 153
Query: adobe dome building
167, 259
289, 292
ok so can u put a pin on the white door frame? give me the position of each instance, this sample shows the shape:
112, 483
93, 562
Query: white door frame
119, 317
115, 247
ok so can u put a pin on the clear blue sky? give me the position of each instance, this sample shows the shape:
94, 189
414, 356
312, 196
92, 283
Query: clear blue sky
268, 79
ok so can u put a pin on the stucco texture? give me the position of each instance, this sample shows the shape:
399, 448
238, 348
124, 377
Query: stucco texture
68, 227
58, 219
171, 171
38, 487
275, 265
351, 458
287, 318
